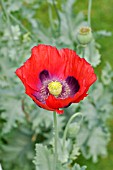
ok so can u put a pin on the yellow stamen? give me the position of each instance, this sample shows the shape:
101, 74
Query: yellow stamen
55, 88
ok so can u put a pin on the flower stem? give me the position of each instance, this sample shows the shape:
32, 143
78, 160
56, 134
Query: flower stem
58, 16
83, 52
67, 126
89, 12
55, 141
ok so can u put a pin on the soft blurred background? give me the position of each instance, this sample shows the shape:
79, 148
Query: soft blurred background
26, 23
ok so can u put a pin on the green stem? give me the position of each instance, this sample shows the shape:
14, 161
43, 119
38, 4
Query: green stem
56, 138
67, 126
51, 19
83, 52
89, 12
58, 16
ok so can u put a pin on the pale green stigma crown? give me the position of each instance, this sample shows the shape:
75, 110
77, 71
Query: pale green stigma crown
55, 88
85, 30
84, 36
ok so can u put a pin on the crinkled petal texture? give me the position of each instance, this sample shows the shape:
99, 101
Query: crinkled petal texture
60, 65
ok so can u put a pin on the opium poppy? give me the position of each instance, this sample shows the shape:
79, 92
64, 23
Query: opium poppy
56, 78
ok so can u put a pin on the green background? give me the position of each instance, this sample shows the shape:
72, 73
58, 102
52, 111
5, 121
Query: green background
101, 19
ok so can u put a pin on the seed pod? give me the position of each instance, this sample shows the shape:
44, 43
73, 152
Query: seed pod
84, 35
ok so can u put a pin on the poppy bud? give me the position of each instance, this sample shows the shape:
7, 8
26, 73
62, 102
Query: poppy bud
73, 130
84, 35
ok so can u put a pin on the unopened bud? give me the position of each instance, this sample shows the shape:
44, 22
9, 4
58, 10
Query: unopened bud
84, 35
73, 130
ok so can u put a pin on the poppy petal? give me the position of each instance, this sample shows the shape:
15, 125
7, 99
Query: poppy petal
73, 84
44, 75
56, 103
31, 92
81, 70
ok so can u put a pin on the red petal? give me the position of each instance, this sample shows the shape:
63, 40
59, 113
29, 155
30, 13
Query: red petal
55, 103
46, 57
26, 76
80, 98
59, 111
81, 70
30, 92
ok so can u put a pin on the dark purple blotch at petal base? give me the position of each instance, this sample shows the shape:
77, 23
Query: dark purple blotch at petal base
44, 75
73, 85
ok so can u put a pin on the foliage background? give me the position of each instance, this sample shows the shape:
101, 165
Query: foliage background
20, 129
102, 18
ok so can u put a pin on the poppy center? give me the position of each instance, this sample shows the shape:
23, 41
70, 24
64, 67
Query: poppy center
55, 88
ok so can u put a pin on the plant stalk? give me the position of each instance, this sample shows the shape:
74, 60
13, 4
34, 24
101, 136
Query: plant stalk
83, 52
89, 12
55, 140
58, 16
67, 126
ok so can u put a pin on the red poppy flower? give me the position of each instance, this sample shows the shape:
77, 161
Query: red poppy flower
56, 78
